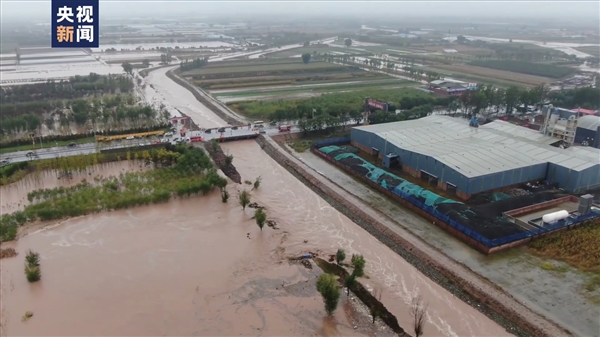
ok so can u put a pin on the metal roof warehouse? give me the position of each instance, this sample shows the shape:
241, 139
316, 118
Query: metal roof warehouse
474, 160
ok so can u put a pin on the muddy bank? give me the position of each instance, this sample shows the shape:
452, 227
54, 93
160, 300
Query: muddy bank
221, 160
365, 296
499, 308
206, 102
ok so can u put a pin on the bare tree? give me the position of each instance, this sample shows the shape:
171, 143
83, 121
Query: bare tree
418, 310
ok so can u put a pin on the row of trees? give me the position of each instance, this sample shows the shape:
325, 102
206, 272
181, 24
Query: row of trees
107, 112
489, 99
193, 64
329, 288
404, 66
339, 109
76, 87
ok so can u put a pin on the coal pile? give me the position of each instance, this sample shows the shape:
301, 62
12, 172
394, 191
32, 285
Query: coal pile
486, 219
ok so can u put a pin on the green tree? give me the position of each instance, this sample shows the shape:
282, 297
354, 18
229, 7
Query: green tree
224, 195
306, 58
350, 283
307, 43
261, 217
340, 256
348, 42
32, 259
329, 289
257, 183
146, 63
127, 67
32, 273
244, 198
358, 262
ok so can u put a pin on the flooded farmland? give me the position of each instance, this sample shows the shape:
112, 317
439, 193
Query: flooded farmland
193, 266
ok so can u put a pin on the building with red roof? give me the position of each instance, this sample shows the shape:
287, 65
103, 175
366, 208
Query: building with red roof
585, 111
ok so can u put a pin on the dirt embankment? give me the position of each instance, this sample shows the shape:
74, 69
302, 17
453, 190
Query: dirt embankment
208, 103
365, 296
221, 160
499, 306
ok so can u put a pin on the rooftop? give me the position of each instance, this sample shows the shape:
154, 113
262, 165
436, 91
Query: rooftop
495, 147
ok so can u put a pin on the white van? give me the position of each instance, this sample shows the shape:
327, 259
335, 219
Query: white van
257, 123
168, 134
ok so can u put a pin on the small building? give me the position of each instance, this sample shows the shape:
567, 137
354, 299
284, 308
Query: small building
447, 87
585, 112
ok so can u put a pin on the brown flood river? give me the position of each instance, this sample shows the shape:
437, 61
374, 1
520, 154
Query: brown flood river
200, 267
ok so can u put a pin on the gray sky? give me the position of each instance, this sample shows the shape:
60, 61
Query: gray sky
559, 11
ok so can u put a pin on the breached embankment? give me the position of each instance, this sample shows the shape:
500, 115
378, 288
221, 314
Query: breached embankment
221, 161
500, 306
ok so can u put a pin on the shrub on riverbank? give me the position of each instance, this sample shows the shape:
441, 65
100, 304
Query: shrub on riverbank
32, 267
190, 173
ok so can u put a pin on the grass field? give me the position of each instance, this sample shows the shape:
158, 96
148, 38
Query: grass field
507, 76
529, 68
594, 51
318, 88
284, 79
311, 50
297, 66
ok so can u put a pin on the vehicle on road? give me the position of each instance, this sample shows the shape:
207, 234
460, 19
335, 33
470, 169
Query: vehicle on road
221, 130
284, 128
130, 138
169, 134
262, 131
208, 131
72, 145
258, 123
194, 139
234, 127
31, 154
4, 162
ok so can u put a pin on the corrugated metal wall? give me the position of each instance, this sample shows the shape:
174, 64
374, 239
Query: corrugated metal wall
506, 178
447, 174
589, 179
583, 134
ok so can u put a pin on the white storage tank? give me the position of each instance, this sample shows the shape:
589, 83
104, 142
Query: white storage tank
556, 216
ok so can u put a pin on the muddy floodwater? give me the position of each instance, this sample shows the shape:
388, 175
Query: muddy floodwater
13, 197
200, 267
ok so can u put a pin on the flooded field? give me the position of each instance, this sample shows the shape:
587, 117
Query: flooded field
151, 45
14, 196
517, 271
198, 266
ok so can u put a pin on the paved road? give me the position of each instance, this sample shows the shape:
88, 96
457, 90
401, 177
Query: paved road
89, 148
